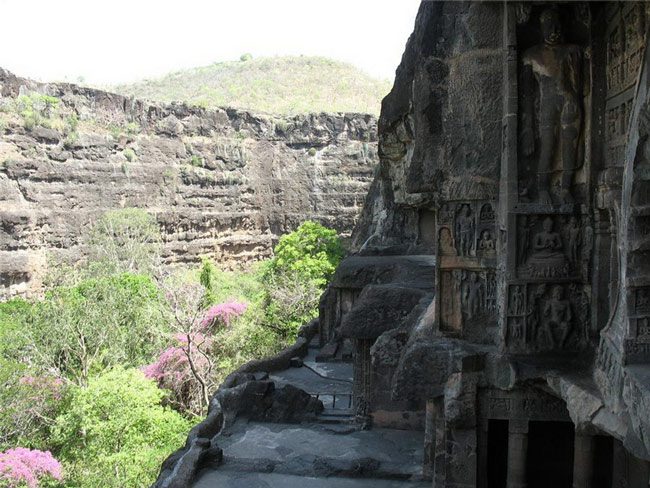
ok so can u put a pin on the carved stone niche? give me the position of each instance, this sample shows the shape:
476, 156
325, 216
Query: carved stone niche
468, 302
554, 246
546, 317
553, 91
466, 233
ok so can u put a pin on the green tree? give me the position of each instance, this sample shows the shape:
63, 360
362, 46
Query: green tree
312, 250
124, 240
115, 432
100, 322
303, 262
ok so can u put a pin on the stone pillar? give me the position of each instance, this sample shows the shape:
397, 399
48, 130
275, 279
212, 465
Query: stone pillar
429, 440
517, 449
482, 451
583, 460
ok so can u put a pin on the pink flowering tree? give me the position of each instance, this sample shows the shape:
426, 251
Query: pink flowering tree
21, 467
186, 368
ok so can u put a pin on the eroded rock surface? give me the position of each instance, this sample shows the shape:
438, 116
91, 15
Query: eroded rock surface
221, 183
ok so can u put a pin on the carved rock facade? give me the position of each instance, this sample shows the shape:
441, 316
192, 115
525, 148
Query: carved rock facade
512, 205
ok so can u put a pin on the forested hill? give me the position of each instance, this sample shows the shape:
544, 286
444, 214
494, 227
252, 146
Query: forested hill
279, 85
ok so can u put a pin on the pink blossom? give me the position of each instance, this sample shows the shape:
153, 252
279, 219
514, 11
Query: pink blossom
224, 313
20, 465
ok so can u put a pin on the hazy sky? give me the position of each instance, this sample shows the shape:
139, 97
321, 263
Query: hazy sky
111, 41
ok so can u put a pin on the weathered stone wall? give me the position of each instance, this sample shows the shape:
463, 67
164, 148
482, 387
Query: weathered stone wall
514, 149
221, 183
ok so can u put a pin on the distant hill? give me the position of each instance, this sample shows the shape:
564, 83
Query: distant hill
280, 85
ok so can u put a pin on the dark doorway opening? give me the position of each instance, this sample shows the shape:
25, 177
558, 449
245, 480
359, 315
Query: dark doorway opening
603, 461
549, 461
497, 453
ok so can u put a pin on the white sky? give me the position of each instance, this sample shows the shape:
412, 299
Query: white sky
111, 41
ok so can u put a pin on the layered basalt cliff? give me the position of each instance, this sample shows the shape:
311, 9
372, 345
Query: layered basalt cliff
221, 183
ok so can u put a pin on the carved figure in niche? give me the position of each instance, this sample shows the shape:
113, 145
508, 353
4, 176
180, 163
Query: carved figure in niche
516, 329
486, 243
516, 301
487, 213
446, 242
464, 230
557, 318
523, 239
547, 259
547, 242
587, 242
473, 295
446, 214
556, 69
532, 313
572, 239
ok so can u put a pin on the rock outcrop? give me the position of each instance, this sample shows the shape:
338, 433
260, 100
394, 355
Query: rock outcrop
221, 183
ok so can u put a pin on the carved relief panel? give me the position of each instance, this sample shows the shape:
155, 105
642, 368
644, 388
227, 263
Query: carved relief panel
466, 233
554, 246
625, 45
547, 317
467, 298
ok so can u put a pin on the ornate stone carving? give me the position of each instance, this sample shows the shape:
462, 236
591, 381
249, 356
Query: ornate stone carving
486, 244
557, 318
487, 213
473, 298
446, 242
446, 214
464, 230
517, 305
547, 259
546, 317
527, 404
551, 92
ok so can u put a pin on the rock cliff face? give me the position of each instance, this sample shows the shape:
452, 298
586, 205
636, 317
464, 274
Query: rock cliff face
221, 183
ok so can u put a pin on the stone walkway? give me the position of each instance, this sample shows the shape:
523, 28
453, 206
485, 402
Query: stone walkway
328, 453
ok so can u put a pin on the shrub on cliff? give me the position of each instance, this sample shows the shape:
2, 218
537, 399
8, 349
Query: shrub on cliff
115, 432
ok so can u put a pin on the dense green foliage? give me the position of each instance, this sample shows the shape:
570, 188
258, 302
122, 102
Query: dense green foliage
111, 367
116, 420
303, 262
278, 85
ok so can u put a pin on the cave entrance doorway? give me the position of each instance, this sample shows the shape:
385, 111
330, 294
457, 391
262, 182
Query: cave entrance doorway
549, 461
497, 453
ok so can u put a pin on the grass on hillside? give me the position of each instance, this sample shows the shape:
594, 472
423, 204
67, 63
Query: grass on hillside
279, 85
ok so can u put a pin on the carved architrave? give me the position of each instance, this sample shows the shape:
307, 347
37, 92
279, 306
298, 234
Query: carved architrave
521, 405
